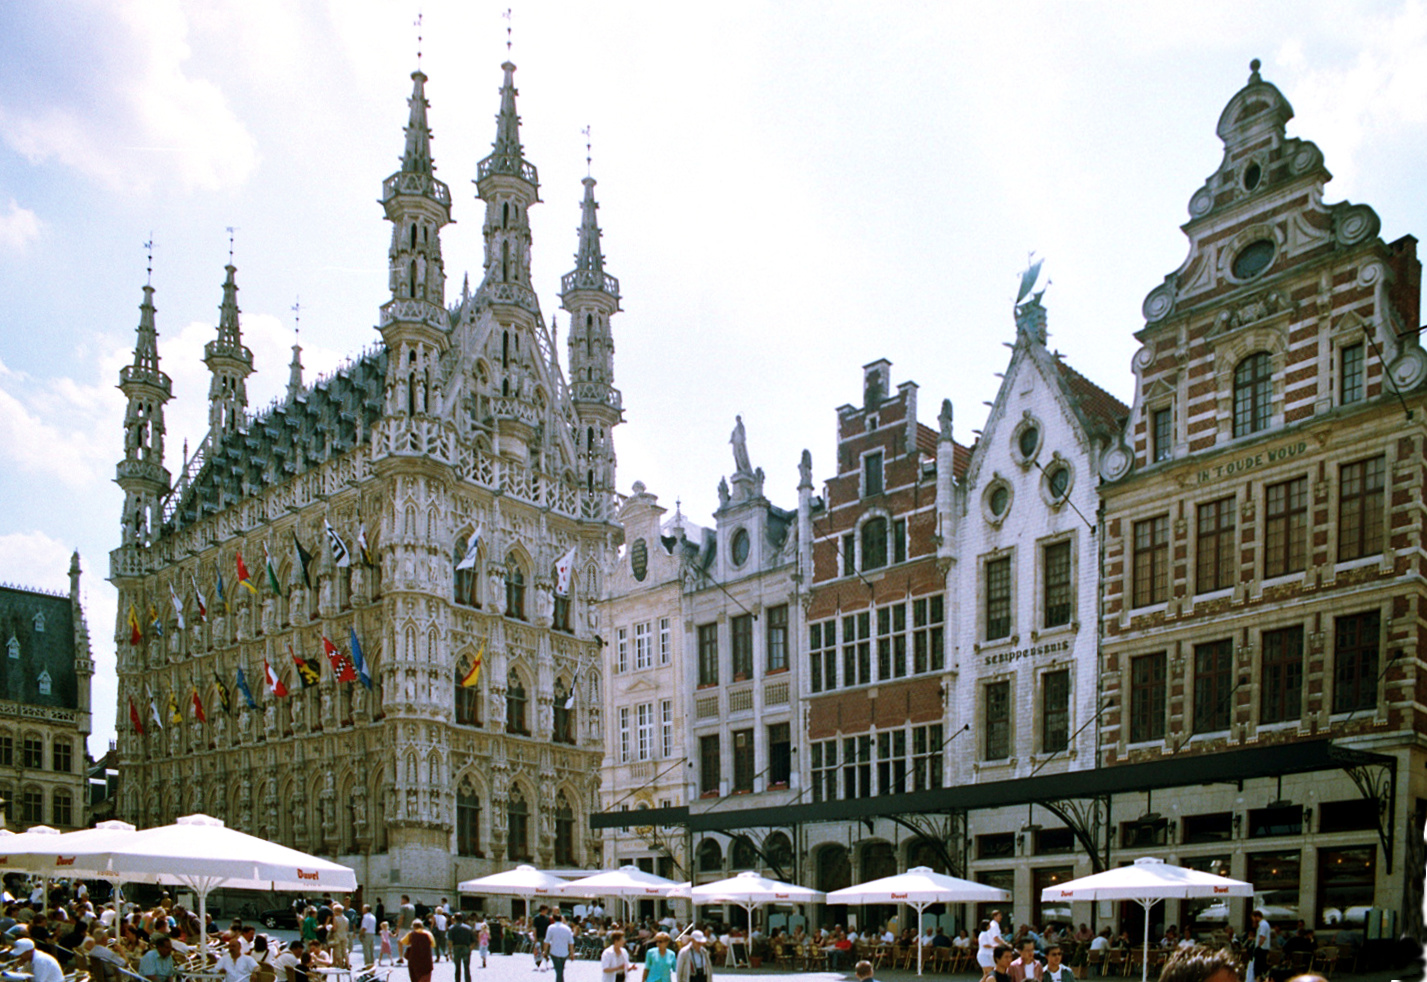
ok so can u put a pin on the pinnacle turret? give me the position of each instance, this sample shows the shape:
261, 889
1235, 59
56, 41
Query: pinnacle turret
509, 185
417, 158
589, 273
506, 153
294, 373
230, 362
141, 473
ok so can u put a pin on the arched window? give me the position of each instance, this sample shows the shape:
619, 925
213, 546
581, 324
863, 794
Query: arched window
515, 706
779, 850
742, 854
874, 543
710, 857
62, 810
468, 820
468, 580
514, 589
879, 859
564, 831
517, 827
1253, 393
564, 714
834, 868
468, 697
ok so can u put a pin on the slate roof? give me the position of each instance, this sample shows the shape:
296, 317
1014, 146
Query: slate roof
49, 650
291, 438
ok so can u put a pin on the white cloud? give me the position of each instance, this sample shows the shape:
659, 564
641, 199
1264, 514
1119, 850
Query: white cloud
18, 227
142, 119
60, 428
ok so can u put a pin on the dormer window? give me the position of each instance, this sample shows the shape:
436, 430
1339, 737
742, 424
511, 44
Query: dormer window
45, 683
13, 647
39, 622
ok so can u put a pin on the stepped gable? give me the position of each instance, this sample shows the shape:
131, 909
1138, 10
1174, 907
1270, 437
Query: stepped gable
290, 439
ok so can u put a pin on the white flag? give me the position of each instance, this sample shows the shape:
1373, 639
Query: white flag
340, 555
563, 569
468, 561
570, 702
177, 605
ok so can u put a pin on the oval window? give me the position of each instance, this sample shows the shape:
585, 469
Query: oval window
1059, 482
740, 547
1030, 438
639, 559
1000, 500
1252, 175
1253, 259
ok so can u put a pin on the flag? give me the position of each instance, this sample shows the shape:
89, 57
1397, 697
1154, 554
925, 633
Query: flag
155, 625
154, 709
198, 712
218, 590
134, 718
574, 687
468, 561
243, 576
303, 559
341, 664
199, 600
358, 662
362, 549
224, 699
175, 714
275, 686
247, 692
272, 573
340, 556
474, 675
308, 669
177, 605
136, 634
563, 569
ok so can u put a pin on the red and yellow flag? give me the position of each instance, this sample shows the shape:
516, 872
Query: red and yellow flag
136, 634
474, 675
243, 577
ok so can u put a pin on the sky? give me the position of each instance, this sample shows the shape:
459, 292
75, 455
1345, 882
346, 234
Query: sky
789, 190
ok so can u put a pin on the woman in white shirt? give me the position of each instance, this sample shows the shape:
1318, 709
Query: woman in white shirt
986, 943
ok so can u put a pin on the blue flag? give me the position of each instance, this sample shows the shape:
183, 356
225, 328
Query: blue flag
243, 688
358, 661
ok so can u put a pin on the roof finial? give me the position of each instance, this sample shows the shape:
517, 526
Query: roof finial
149, 246
1254, 67
506, 15
297, 319
231, 229
417, 24
586, 131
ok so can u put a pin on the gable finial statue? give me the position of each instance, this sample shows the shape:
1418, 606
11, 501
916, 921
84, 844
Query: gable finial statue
739, 439
944, 419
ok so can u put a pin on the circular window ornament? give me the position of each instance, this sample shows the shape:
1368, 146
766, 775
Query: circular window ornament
1252, 175
1029, 439
1253, 259
1058, 482
999, 501
740, 547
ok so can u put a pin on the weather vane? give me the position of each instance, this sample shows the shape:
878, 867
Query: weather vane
297, 318
417, 24
149, 246
506, 15
1029, 277
586, 131
231, 229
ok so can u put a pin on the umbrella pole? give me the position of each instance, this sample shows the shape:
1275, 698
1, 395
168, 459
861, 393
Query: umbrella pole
1145, 965
918, 942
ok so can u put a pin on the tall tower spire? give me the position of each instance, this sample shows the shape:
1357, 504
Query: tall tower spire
414, 323
294, 373
141, 473
230, 362
592, 297
509, 185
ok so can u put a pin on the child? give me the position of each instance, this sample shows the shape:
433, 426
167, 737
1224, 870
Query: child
386, 943
483, 939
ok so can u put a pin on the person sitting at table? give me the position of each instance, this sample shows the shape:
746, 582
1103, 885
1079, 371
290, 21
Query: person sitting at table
236, 966
104, 962
157, 965
43, 966
839, 952
318, 957
289, 961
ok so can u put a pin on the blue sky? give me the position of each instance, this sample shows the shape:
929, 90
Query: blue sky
788, 191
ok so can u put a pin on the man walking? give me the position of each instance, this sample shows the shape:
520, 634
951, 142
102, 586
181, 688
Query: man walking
864, 971
560, 942
438, 929
368, 935
541, 924
406, 917
460, 935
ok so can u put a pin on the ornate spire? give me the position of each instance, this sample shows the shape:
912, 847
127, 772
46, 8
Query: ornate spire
589, 273
141, 473
506, 153
146, 346
417, 158
294, 377
230, 362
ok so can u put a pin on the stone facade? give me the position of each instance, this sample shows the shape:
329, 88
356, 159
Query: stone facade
44, 712
1263, 537
469, 490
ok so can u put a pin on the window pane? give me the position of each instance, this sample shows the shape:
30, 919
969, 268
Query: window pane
1147, 697
1055, 711
1361, 492
1213, 683
1057, 583
1282, 692
998, 598
1286, 527
1253, 394
1355, 655
998, 720
1215, 546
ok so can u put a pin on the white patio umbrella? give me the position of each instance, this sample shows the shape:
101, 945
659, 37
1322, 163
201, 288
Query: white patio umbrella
1147, 882
750, 890
203, 854
919, 888
523, 881
19, 850
52, 853
628, 882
